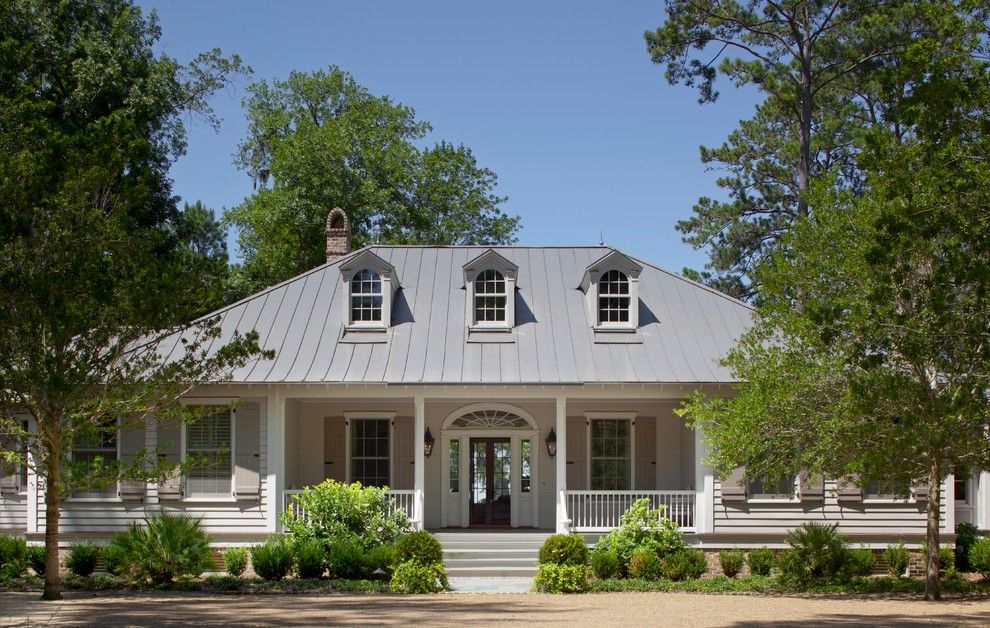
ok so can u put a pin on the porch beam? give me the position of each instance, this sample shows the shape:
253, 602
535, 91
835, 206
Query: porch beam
560, 426
419, 458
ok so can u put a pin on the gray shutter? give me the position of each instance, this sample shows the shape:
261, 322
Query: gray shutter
920, 490
812, 486
334, 435
10, 479
247, 452
170, 448
734, 485
131, 442
848, 489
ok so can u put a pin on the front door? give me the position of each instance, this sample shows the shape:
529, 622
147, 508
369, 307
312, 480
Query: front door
491, 462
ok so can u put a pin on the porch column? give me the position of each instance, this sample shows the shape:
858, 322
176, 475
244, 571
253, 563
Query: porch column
563, 521
419, 470
275, 408
704, 487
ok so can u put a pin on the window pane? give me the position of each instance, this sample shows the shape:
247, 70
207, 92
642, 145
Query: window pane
611, 459
208, 445
526, 449
96, 450
455, 465
370, 451
490, 297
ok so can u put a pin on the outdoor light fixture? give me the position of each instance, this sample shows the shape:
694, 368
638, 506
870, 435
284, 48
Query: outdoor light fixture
428, 441
552, 443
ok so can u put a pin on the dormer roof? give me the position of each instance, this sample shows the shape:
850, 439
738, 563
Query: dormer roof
489, 259
366, 258
613, 260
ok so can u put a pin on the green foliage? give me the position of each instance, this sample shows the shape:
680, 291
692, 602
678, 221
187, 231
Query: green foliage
273, 559
966, 535
420, 546
760, 561
13, 556
82, 558
564, 549
320, 140
310, 558
897, 558
946, 559
642, 527
686, 564
115, 559
605, 563
36, 555
336, 511
645, 565
164, 548
553, 578
346, 559
383, 557
716, 584
979, 556
860, 562
235, 561
414, 577
732, 562
818, 554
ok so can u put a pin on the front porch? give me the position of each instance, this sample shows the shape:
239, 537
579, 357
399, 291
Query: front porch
560, 464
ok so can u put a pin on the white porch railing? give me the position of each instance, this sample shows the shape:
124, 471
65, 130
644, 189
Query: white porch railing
401, 500
600, 511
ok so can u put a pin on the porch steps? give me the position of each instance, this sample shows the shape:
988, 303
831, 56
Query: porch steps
498, 554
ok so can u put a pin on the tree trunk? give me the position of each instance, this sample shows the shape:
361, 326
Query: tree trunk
53, 579
804, 165
932, 586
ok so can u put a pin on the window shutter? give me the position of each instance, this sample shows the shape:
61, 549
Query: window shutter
734, 485
848, 489
169, 448
920, 490
247, 452
812, 486
10, 479
131, 442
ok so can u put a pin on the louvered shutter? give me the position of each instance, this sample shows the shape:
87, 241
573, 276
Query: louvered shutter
812, 486
848, 489
920, 490
734, 485
170, 448
131, 443
247, 452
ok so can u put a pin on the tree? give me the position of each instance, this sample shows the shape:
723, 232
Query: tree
204, 242
98, 270
830, 70
320, 140
882, 373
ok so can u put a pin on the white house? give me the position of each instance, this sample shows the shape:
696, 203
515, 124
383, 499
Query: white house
495, 387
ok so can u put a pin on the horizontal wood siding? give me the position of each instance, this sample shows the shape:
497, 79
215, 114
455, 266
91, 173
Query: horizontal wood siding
890, 520
13, 513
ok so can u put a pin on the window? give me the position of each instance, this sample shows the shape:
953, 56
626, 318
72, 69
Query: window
766, 488
369, 451
490, 297
94, 451
23, 472
208, 446
455, 465
366, 297
883, 489
527, 462
611, 454
613, 298
960, 484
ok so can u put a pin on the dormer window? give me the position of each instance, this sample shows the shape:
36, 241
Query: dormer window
490, 297
613, 298
490, 285
366, 297
370, 284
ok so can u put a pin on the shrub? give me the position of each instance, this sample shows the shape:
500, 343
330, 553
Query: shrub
897, 558
235, 561
310, 559
552, 578
564, 549
272, 560
979, 556
115, 559
420, 546
164, 548
335, 511
818, 554
82, 559
36, 556
946, 559
761, 561
686, 564
645, 565
605, 564
646, 528
966, 536
413, 577
13, 556
732, 562
346, 559
860, 562
380, 559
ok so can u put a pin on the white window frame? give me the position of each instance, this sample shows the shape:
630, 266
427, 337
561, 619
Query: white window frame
612, 416
627, 324
187, 496
490, 260
92, 497
349, 418
507, 294
384, 293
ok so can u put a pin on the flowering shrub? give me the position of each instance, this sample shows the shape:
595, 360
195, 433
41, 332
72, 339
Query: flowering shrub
642, 528
335, 511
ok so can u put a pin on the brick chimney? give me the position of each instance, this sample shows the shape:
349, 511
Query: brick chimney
338, 234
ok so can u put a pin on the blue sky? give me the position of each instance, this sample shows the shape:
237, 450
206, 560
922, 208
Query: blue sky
559, 98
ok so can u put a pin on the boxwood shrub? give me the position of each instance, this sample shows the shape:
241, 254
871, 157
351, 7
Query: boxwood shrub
686, 564
553, 578
272, 560
760, 561
731, 561
564, 549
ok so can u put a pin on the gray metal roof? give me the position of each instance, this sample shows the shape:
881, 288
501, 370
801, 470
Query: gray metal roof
684, 328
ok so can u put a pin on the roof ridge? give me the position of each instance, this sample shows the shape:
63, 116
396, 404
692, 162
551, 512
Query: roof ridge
692, 282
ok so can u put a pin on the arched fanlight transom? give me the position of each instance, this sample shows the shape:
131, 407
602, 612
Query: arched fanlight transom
490, 420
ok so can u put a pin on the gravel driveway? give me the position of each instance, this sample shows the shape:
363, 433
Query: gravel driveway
610, 609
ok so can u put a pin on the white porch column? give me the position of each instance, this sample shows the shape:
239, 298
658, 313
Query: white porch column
33, 496
419, 467
704, 487
275, 409
560, 426
981, 500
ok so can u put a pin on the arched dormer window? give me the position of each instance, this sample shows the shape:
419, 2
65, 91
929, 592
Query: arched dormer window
613, 298
490, 298
366, 297
369, 283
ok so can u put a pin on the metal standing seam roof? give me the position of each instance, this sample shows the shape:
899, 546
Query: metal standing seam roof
685, 328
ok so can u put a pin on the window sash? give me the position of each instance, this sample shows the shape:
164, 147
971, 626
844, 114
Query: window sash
766, 488
367, 298
611, 454
614, 298
211, 436
104, 446
490, 297
880, 489
455, 465
370, 452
